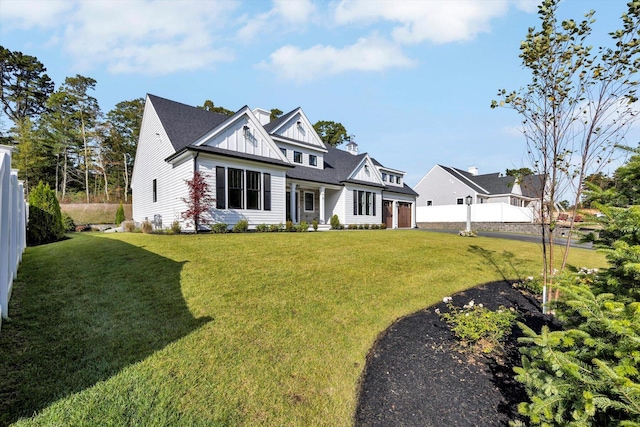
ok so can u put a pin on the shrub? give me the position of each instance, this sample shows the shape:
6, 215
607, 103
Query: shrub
303, 226
335, 222
531, 284
289, 226
375, 226
366, 226
262, 228
360, 226
478, 326
315, 224
120, 214
220, 228
176, 228
241, 226
129, 226
147, 227
45, 220
383, 226
69, 225
276, 227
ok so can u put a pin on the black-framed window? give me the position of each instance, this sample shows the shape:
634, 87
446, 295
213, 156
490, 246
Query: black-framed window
309, 202
397, 180
155, 190
384, 177
236, 188
253, 190
266, 185
297, 157
313, 160
284, 151
460, 201
364, 203
221, 190
429, 202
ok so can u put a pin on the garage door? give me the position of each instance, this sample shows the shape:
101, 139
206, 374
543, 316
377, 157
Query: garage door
404, 215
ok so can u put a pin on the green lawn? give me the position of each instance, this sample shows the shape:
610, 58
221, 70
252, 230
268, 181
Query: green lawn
253, 329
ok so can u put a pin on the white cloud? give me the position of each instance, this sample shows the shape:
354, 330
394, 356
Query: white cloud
367, 54
28, 14
137, 36
438, 21
285, 14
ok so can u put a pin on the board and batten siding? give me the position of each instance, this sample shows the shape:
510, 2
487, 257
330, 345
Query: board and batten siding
233, 138
304, 132
207, 165
367, 173
153, 147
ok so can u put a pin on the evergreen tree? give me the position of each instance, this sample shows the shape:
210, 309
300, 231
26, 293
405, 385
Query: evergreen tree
45, 220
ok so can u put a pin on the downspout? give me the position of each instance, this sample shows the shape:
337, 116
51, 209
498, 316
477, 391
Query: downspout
195, 162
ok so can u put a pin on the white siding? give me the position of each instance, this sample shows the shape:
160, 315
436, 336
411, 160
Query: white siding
441, 188
306, 152
233, 138
207, 165
350, 218
303, 132
153, 147
367, 172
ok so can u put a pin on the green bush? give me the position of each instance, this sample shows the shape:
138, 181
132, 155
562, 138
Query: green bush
531, 284
176, 228
45, 220
241, 226
303, 226
383, 226
289, 226
478, 326
276, 227
335, 222
315, 224
262, 228
220, 228
69, 224
129, 226
120, 214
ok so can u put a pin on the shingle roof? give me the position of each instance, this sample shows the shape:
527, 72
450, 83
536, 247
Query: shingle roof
493, 183
275, 123
228, 153
184, 123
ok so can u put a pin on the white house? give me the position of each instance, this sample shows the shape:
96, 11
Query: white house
443, 191
266, 172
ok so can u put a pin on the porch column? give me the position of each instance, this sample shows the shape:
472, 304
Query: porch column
414, 223
292, 205
395, 214
322, 220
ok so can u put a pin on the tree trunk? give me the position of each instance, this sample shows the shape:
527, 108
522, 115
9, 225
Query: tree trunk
86, 155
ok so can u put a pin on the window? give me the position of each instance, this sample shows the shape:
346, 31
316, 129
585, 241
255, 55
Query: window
390, 178
308, 202
236, 188
429, 202
364, 203
460, 201
284, 151
297, 157
384, 177
313, 160
266, 178
397, 180
155, 190
221, 190
253, 190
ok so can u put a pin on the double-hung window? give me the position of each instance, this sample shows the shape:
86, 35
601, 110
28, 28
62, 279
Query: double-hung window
253, 190
364, 203
236, 188
313, 160
297, 157
309, 202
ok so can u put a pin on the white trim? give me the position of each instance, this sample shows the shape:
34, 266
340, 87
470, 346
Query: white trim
313, 201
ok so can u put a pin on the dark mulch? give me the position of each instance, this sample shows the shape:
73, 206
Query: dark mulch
418, 375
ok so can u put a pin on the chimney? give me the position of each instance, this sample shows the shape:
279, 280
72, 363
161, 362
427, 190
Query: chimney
262, 115
473, 170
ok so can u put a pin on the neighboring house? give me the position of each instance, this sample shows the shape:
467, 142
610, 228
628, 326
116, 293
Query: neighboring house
447, 186
266, 172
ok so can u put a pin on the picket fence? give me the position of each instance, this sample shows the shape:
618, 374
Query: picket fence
13, 228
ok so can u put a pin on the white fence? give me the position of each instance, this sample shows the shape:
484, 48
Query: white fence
13, 228
486, 212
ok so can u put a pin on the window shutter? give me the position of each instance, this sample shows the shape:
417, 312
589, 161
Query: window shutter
374, 203
355, 202
220, 188
267, 191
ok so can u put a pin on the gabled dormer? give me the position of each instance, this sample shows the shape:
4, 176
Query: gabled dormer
391, 177
242, 133
366, 171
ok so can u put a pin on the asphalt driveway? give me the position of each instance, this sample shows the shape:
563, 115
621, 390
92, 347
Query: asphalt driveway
521, 237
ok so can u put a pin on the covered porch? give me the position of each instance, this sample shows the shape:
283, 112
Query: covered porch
310, 201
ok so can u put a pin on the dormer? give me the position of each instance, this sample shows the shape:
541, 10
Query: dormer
391, 177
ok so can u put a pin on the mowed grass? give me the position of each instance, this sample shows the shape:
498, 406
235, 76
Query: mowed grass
224, 330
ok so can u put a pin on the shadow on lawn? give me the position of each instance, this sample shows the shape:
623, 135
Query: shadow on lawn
502, 262
81, 311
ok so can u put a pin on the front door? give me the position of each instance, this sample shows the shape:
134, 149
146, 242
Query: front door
387, 213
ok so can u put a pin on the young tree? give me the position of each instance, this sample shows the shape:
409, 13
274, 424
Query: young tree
199, 201
577, 107
275, 113
332, 133
45, 219
209, 106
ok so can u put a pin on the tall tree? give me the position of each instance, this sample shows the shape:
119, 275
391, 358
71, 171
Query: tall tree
332, 133
577, 107
25, 85
86, 111
275, 113
209, 106
125, 120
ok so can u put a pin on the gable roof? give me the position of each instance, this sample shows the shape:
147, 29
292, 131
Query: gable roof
184, 123
493, 183
273, 124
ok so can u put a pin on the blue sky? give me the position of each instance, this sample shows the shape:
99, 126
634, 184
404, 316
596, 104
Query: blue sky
412, 80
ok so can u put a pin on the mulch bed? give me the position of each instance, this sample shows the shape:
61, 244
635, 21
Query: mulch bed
417, 374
